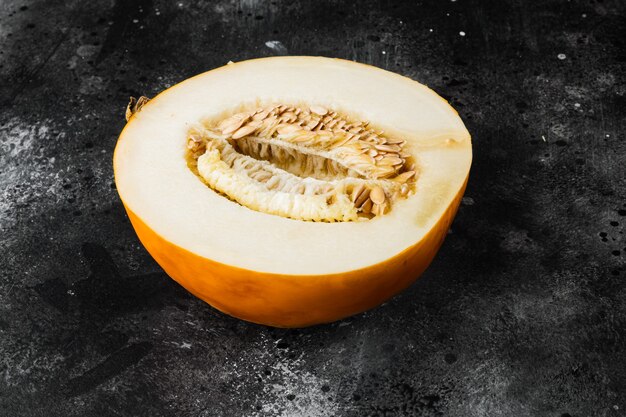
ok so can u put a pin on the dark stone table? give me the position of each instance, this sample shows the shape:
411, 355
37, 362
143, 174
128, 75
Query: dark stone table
522, 313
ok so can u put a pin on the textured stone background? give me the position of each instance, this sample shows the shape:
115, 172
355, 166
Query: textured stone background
523, 312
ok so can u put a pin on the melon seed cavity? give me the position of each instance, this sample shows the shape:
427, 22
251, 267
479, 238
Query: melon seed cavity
302, 162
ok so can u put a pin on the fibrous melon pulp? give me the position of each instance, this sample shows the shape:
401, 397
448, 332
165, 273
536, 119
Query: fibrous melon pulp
293, 191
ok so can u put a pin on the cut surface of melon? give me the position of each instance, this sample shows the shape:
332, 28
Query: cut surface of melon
215, 212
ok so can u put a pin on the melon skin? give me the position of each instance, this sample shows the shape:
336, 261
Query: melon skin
292, 301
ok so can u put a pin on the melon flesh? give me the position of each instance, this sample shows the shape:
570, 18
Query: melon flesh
223, 240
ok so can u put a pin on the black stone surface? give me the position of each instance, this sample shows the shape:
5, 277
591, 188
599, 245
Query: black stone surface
523, 312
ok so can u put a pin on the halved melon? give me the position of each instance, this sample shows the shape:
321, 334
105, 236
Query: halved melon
293, 191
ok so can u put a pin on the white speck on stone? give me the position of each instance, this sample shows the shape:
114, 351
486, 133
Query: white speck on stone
584, 15
576, 105
185, 345
135, 20
462, 33
384, 52
561, 56
180, 4
276, 46
608, 136
467, 201
430, 30
543, 138
71, 292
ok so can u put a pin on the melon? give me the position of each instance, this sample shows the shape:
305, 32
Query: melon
293, 191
